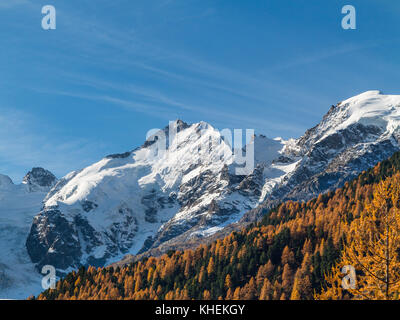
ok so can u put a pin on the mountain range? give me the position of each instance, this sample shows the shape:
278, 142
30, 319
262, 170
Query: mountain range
145, 199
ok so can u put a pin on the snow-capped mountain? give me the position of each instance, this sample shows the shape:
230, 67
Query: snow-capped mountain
18, 204
128, 202
353, 136
131, 202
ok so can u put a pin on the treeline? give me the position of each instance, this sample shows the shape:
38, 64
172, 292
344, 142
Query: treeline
285, 256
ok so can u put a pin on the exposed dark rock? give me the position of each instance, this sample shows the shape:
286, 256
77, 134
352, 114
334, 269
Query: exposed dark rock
88, 206
119, 155
39, 179
53, 241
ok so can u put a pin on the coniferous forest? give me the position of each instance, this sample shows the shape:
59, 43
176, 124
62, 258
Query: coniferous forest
296, 252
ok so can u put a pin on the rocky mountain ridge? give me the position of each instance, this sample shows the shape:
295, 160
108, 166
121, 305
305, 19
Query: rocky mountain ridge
137, 201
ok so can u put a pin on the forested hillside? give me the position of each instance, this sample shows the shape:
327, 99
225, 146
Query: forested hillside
288, 255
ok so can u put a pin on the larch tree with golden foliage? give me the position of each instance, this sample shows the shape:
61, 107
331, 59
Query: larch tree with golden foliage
372, 248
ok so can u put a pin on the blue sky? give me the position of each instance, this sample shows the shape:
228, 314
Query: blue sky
112, 70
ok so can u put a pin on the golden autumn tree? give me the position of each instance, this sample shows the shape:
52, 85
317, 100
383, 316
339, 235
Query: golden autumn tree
295, 295
228, 281
372, 248
211, 266
265, 290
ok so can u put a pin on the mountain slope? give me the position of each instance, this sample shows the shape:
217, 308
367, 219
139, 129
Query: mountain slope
18, 204
285, 256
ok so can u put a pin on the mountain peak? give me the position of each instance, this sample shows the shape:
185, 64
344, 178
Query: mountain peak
378, 112
371, 96
371, 108
368, 93
178, 124
39, 179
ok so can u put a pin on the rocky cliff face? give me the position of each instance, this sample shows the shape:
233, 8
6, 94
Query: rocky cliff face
139, 200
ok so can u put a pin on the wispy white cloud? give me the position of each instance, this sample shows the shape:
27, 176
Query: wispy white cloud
22, 146
324, 54
132, 51
12, 3
158, 105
